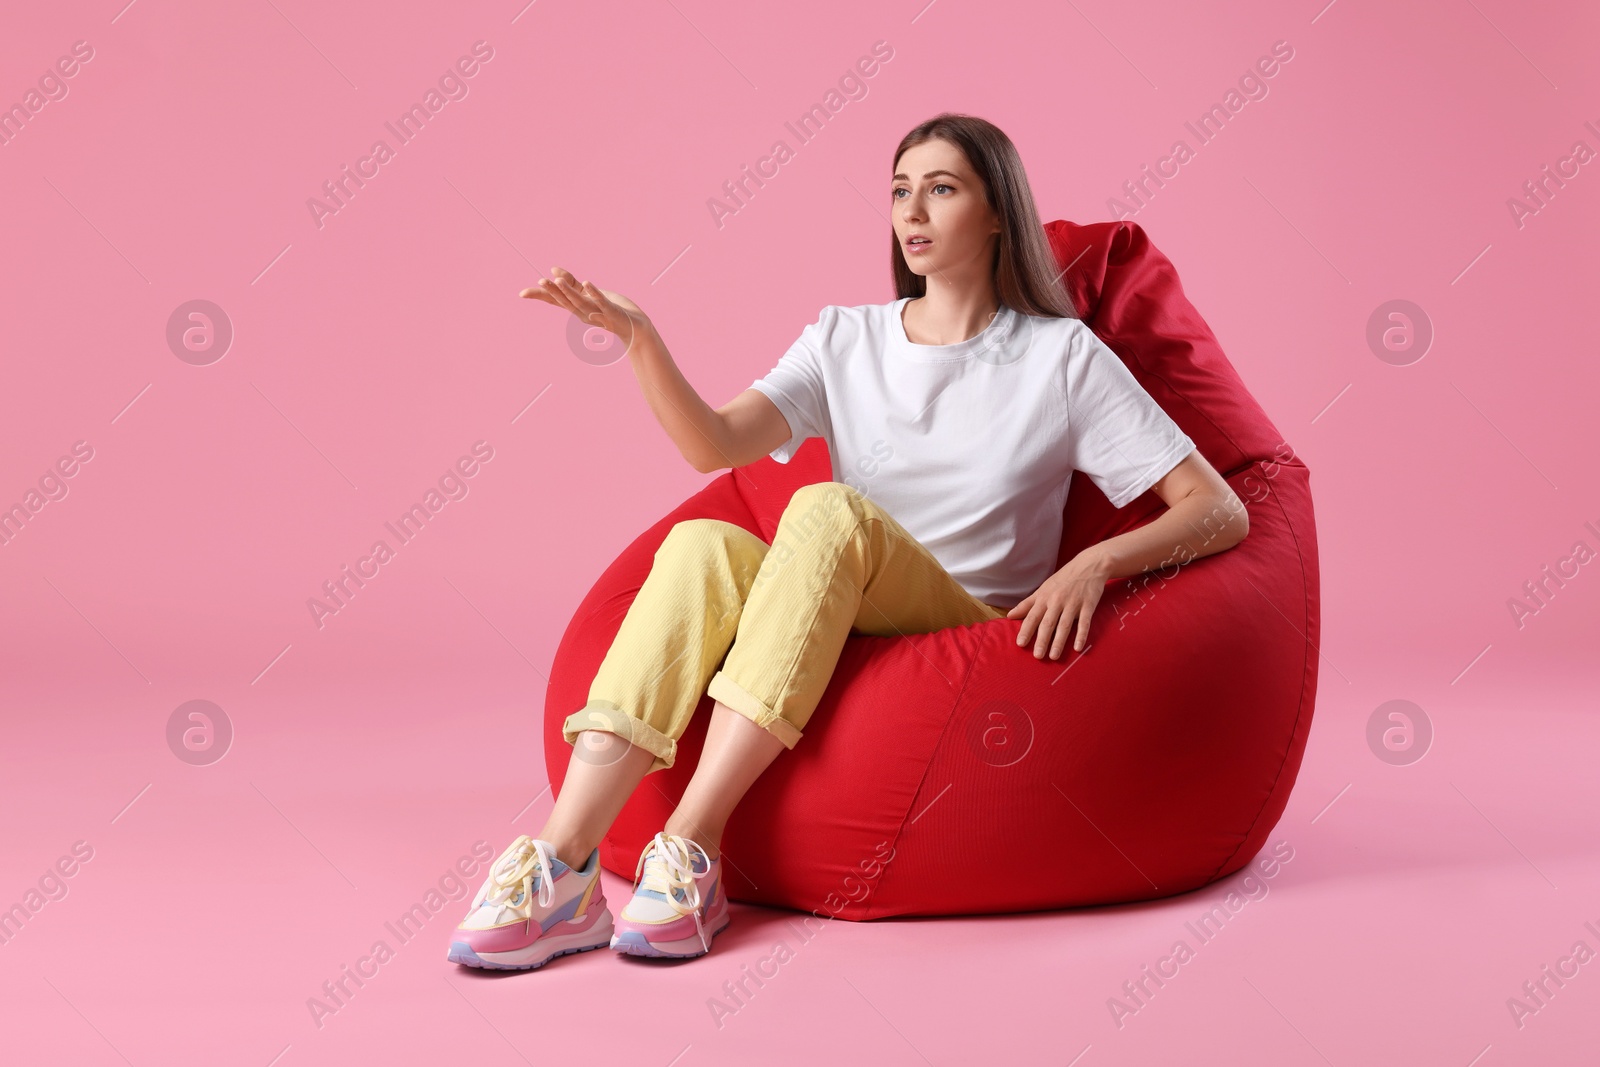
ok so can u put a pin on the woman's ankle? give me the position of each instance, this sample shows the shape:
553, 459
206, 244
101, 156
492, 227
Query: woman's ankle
712, 845
570, 851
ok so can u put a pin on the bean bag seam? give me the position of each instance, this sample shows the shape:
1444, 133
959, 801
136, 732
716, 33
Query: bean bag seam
744, 498
927, 766
1133, 230
1300, 711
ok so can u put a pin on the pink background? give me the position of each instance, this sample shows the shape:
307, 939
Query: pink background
371, 753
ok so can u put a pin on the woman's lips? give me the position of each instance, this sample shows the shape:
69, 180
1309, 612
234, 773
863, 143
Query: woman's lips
920, 246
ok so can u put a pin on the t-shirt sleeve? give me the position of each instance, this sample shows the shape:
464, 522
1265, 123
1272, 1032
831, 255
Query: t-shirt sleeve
795, 385
1119, 436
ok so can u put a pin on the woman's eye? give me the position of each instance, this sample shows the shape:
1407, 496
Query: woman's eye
941, 185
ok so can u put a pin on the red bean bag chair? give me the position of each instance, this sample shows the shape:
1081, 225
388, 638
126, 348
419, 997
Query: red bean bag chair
1155, 762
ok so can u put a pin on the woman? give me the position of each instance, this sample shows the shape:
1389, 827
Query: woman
960, 410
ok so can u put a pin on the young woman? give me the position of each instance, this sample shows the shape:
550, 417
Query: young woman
959, 410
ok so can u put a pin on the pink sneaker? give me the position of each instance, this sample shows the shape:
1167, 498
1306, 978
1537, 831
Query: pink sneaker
531, 909
678, 907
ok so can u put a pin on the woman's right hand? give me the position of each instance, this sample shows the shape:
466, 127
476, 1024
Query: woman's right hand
593, 307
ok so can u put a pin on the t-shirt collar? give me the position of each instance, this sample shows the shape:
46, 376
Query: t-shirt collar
908, 349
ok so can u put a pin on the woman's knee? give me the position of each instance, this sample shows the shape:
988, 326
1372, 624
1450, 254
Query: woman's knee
722, 553
818, 511
706, 536
820, 501
817, 519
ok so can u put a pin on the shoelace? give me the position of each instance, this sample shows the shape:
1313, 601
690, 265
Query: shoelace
670, 866
526, 860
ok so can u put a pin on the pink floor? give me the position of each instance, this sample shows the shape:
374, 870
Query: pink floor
1415, 904
1412, 903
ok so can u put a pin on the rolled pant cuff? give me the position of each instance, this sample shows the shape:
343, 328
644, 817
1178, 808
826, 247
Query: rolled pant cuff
606, 715
741, 700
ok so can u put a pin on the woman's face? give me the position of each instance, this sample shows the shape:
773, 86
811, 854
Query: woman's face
936, 195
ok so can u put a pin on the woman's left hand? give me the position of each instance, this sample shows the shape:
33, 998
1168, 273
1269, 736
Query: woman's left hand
1066, 599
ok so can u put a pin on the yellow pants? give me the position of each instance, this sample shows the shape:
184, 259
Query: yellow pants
774, 618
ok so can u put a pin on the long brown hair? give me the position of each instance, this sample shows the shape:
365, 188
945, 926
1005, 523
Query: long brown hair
1027, 277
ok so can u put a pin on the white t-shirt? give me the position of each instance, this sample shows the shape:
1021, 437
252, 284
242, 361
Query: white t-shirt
971, 446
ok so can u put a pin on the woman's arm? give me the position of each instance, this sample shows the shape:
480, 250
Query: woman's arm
1203, 516
740, 432
694, 427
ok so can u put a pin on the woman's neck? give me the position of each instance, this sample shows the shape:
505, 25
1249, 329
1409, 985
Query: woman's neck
940, 317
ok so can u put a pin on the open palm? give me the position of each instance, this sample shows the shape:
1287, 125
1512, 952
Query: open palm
593, 306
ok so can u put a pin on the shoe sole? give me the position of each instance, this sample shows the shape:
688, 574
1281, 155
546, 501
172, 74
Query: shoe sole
536, 955
634, 943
